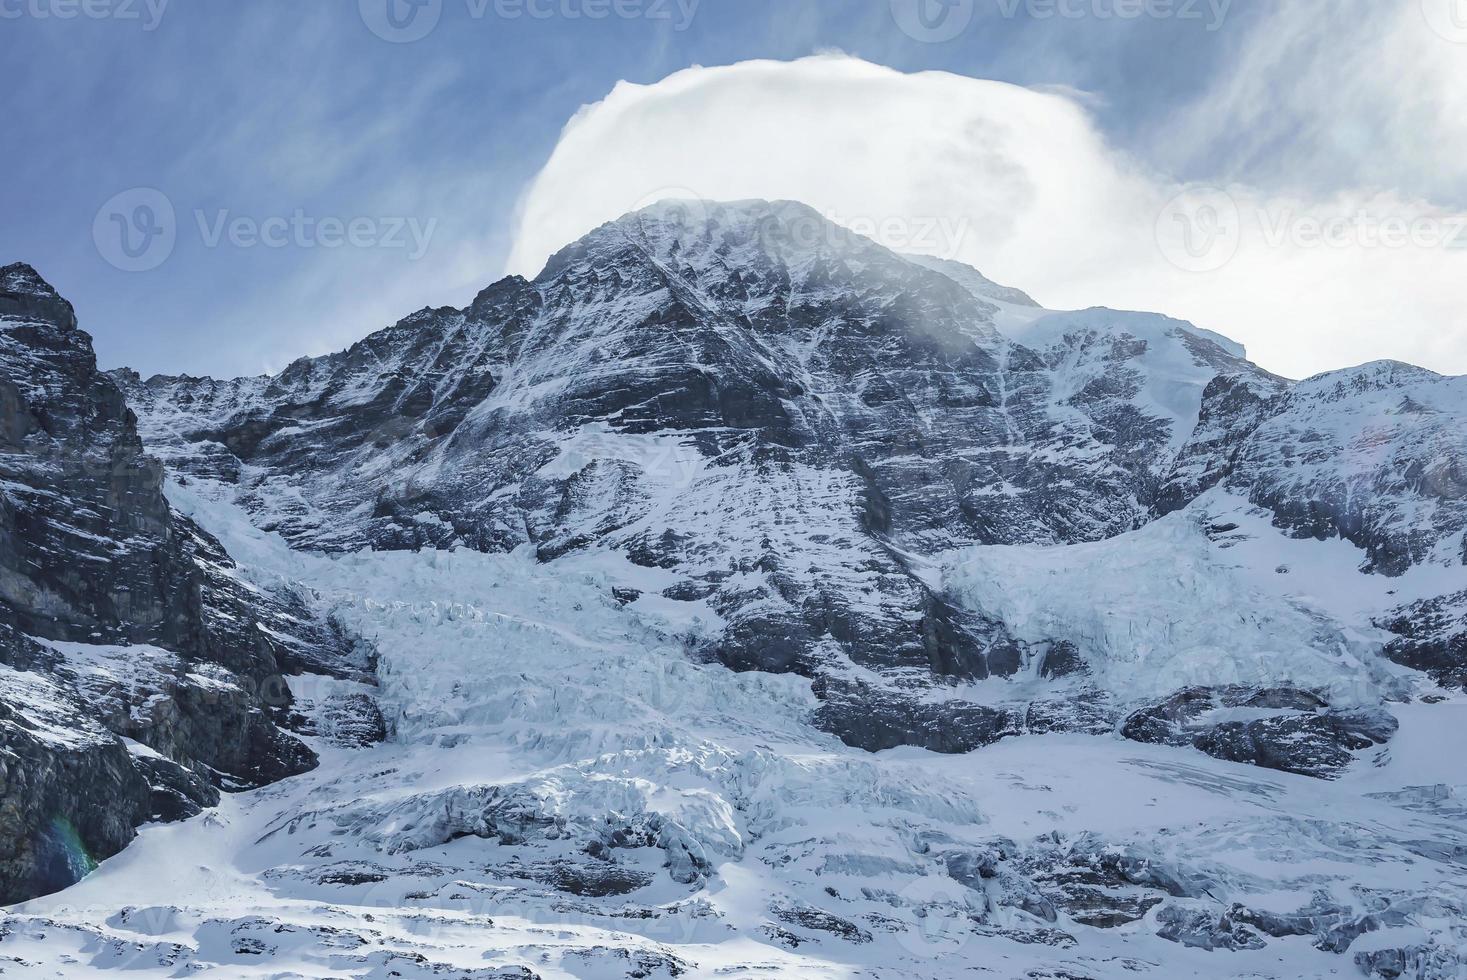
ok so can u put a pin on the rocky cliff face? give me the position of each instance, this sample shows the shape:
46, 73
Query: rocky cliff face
781, 418
139, 671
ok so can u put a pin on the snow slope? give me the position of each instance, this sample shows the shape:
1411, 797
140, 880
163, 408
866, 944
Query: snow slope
1207, 596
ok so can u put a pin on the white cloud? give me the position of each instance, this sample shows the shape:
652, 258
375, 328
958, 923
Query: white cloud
1337, 93
1021, 184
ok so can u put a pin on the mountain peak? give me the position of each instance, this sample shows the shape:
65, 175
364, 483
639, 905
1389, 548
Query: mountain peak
25, 295
676, 226
693, 212
1370, 376
23, 279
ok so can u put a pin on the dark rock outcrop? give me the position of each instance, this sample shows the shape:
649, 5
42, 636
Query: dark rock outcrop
1233, 407
818, 920
1203, 928
1281, 728
119, 620
1433, 638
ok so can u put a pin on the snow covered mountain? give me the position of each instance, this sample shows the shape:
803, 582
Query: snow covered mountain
742, 598
772, 409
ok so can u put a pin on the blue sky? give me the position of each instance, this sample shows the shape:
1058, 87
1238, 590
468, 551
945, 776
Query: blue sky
325, 181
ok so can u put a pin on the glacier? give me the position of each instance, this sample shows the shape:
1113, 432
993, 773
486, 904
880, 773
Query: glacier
566, 794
